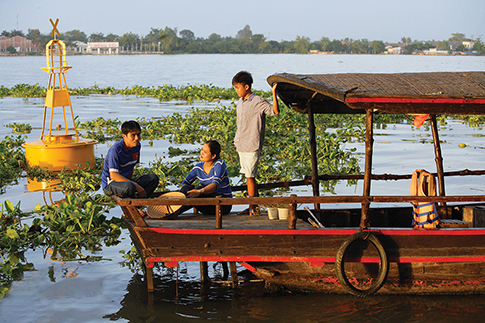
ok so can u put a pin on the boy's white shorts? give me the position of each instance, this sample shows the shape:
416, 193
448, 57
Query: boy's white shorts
249, 163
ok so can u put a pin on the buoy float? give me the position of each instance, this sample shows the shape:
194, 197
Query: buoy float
59, 150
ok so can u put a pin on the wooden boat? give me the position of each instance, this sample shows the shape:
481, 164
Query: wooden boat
361, 250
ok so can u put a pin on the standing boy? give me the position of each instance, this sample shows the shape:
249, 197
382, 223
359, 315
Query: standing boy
119, 163
251, 122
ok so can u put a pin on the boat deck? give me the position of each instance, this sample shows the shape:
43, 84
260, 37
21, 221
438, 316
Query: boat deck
234, 221
229, 221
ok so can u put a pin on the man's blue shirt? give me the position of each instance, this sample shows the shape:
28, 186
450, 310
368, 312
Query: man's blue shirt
119, 160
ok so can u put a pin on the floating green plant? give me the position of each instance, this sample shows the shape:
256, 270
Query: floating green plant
12, 160
68, 230
15, 239
163, 93
76, 224
20, 128
23, 91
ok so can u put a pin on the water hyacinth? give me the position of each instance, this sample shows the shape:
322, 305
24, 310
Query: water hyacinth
68, 230
23, 91
164, 92
12, 160
19, 128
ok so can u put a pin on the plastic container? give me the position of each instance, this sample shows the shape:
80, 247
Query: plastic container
273, 213
283, 213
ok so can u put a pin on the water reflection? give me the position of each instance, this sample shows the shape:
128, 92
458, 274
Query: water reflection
249, 302
186, 298
45, 185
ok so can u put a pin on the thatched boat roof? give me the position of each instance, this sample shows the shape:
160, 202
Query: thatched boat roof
410, 93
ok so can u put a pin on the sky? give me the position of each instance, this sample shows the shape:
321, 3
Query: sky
387, 20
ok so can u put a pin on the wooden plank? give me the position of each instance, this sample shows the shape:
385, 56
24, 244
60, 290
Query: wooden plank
301, 200
218, 217
438, 157
313, 149
474, 215
319, 243
234, 278
369, 142
292, 218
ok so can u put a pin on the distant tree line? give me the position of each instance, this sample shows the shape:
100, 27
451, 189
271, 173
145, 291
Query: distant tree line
171, 41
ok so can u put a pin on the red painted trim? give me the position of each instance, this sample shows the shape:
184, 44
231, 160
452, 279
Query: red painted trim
253, 232
398, 232
404, 100
247, 266
440, 259
317, 264
439, 232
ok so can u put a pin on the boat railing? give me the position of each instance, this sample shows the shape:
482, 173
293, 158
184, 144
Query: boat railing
130, 206
328, 177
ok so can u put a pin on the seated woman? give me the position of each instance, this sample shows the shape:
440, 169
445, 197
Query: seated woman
213, 178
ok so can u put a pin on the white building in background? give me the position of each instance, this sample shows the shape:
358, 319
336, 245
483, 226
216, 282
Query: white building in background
103, 48
394, 50
468, 44
435, 51
81, 47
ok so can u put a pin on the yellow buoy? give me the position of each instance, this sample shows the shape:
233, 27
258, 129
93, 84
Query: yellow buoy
64, 149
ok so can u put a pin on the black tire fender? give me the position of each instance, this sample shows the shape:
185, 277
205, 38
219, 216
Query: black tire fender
340, 262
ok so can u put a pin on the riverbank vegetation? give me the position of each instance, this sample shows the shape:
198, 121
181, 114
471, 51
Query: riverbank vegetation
171, 41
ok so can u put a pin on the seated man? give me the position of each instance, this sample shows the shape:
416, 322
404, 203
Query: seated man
119, 163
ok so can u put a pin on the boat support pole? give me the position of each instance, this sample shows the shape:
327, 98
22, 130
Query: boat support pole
149, 278
234, 277
313, 150
204, 272
369, 142
438, 157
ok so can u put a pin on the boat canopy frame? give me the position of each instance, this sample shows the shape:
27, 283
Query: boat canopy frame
434, 93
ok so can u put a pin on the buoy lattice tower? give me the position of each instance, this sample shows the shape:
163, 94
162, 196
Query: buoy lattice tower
59, 150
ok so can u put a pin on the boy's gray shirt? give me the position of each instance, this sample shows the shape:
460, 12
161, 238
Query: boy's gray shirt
251, 123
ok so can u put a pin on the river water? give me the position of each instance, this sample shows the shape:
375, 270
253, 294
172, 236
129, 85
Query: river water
107, 291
